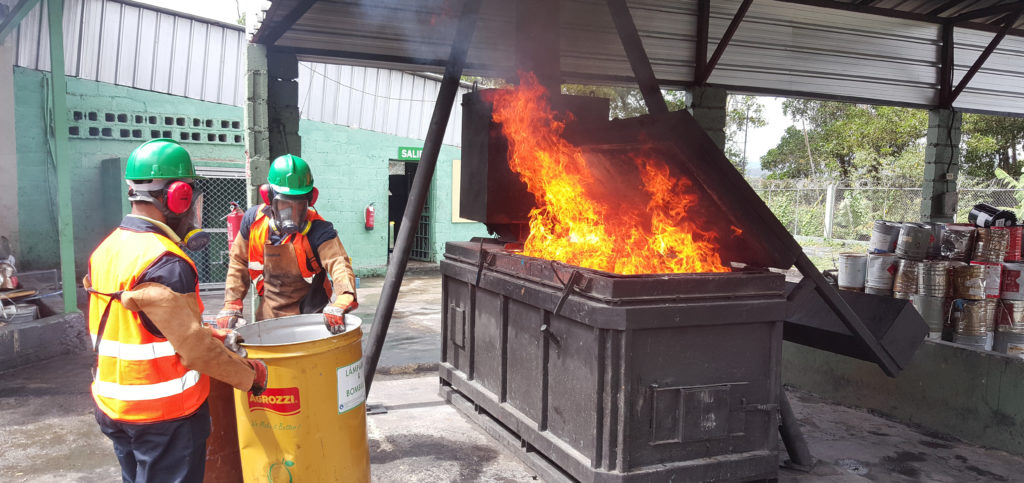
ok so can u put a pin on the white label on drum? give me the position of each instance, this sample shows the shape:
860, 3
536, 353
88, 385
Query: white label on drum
351, 390
1015, 350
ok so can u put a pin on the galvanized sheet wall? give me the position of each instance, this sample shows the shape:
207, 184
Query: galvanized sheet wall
134, 46
381, 100
137, 47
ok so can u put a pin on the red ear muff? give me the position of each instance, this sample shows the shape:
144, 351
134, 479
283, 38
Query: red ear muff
313, 195
179, 197
265, 193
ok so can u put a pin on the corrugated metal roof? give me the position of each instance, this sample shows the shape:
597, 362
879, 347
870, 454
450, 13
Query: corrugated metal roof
143, 47
781, 47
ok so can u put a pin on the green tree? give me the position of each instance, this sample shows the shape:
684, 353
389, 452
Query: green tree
743, 113
626, 102
848, 141
991, 143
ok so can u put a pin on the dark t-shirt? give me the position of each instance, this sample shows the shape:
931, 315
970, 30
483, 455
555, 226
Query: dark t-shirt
169, 270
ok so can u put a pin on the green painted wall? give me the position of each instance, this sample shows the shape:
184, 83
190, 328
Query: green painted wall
91, 192
350, 167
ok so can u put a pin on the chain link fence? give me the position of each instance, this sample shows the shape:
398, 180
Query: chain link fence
819, 209
218, 193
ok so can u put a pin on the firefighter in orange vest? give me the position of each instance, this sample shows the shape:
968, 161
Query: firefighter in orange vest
288, 250
154, 356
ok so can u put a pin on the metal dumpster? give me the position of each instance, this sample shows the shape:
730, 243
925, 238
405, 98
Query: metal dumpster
617, 378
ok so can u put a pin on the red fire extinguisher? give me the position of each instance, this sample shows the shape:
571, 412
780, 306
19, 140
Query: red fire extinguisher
368, 221
234, 222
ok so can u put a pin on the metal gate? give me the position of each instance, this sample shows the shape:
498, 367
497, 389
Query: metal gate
421, 249
220, 187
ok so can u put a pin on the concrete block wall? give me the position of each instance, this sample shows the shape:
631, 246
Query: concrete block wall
105, 121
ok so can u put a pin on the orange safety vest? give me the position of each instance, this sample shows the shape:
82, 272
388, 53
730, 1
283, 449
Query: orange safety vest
139, 377
259, 235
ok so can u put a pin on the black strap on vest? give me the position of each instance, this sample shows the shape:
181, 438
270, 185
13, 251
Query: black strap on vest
103, 323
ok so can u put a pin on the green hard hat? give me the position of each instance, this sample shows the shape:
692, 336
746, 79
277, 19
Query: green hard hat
290, 175
159, 159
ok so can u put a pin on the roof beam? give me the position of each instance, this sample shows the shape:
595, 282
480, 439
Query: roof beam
726, 38
937, 11
15, 16
278, 29
703, 20
987, 12
1008, 21
638, 60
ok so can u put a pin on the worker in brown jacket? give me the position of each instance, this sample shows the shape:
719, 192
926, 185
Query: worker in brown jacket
288, 250
154, 357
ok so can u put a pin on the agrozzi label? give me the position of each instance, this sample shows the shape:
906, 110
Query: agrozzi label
280, 400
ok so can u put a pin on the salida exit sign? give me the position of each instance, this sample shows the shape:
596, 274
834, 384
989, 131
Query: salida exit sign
409, 153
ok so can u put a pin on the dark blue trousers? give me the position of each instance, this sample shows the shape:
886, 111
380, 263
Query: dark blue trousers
171, 451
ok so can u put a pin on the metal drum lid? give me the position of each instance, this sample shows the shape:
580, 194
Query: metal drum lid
294, 329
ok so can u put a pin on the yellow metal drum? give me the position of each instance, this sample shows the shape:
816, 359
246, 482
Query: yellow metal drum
310, 423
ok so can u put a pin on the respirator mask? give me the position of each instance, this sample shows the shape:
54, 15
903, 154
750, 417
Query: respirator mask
182, 207
290, 213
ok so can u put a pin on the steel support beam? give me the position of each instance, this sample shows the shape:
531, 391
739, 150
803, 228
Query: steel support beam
1008, 22
987, 12
701, 59
62, 154
638, 60
15, 16
421, 183
792, 436
946, 66
277, 30
726, 38
943, 8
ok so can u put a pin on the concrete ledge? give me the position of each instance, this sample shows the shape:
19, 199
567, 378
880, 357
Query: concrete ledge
22, 344
977, 396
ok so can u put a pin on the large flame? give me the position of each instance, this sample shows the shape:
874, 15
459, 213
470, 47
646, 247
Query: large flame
628, 216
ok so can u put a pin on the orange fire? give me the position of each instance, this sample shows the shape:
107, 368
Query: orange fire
605, 214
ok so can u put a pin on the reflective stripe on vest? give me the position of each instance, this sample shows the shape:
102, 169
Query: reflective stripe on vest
259, 235
139, 377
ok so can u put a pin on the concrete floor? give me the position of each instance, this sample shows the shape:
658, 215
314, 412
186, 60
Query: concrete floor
49, 434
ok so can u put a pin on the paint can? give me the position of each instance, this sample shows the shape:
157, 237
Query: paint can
877, 291
906, 276
990, 278
1009, 343
986, 215
991, 245
1011, 284
957, 242
852, 268
884, 237
1010, 316
914, 241
933, 278
1014, 245
968, 282
881, 267
935, 243
932, 310
974, 317
979, 342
